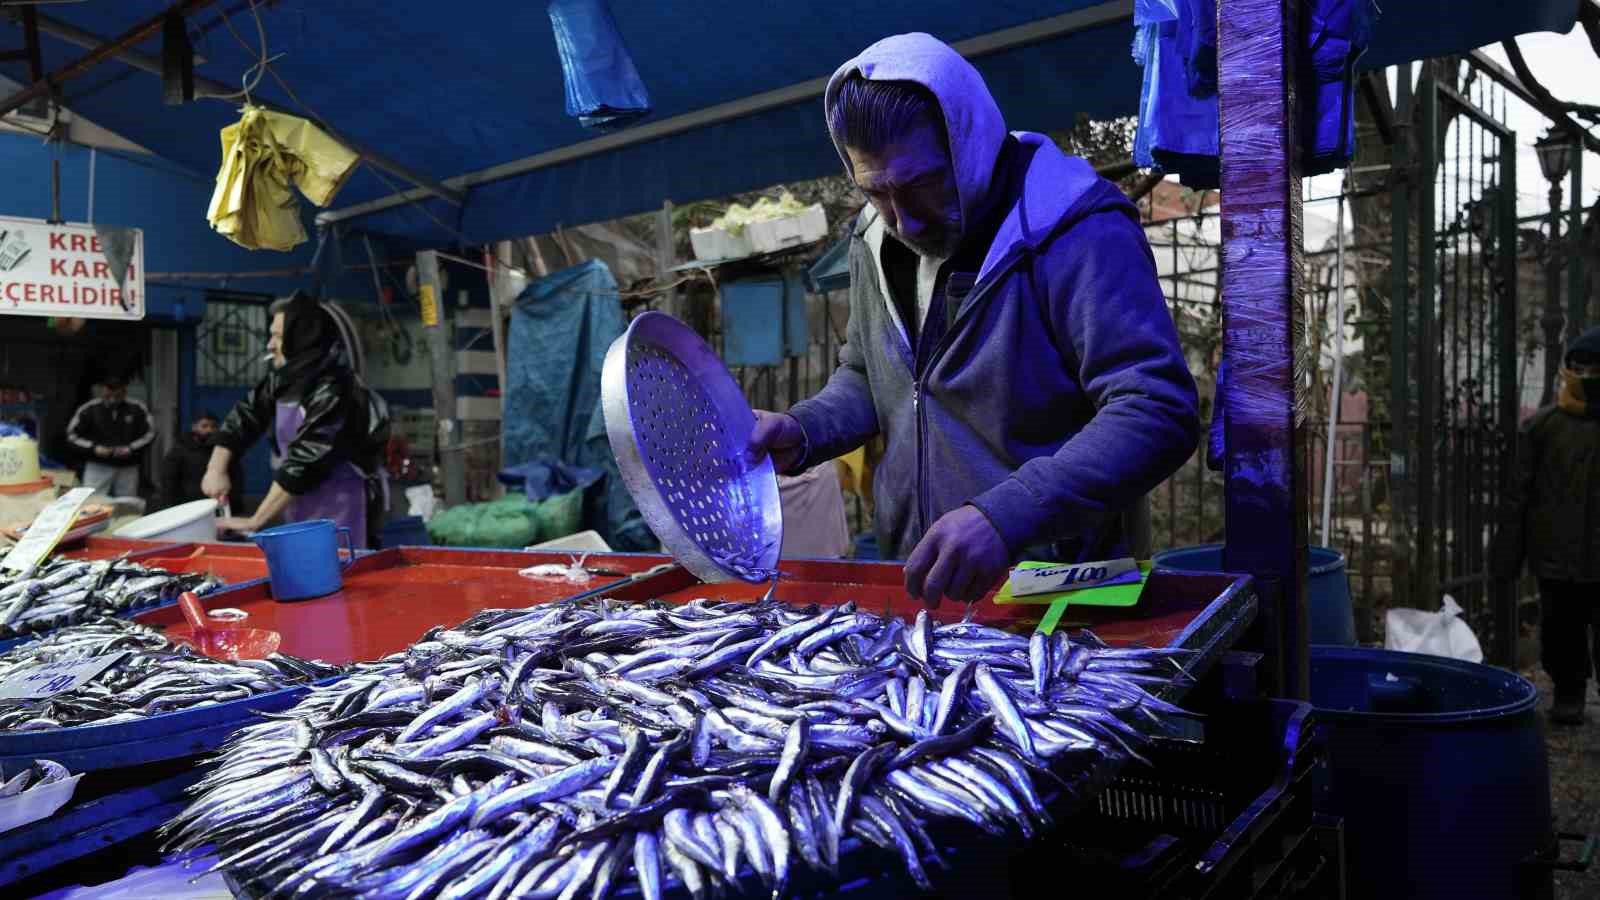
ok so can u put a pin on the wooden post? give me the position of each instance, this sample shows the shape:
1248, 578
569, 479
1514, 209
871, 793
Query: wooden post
504, 286
666, 257
436, 324
1263, 323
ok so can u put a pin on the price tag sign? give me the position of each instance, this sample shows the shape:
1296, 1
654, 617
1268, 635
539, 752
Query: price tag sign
47, 530
50, 679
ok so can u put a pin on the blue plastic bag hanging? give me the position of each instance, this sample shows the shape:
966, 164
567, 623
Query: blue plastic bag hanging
604, 90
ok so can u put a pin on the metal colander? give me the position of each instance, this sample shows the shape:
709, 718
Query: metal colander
678, 424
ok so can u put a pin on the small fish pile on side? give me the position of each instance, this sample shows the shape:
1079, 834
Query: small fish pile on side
153, 676
575, 748
66, 591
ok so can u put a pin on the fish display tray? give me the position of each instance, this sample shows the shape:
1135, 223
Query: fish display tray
107, 808
184, 732
392, 597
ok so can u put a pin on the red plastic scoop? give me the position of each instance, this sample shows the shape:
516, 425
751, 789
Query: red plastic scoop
228, 642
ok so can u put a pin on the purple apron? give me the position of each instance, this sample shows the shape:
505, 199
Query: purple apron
342, 496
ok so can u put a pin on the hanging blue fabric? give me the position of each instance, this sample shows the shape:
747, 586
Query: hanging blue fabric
604, 90
1176, 43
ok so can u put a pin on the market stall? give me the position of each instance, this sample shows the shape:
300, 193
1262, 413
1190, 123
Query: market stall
452, 722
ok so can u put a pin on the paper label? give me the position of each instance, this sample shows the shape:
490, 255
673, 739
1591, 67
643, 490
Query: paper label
50, 679
430, 306
48, 527
1025, 582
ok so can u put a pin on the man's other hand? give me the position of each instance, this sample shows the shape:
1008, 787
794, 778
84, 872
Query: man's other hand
780, 435
961, 557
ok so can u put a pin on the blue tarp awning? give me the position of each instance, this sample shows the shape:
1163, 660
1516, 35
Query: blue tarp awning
454, 89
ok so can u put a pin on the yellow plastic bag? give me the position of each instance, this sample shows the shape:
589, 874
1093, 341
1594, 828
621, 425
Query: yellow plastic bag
263, 154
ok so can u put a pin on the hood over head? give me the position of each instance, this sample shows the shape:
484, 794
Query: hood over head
972, 120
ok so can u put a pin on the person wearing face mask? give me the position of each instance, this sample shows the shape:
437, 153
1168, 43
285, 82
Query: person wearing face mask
184, 466
328, 430
1553, 523
1008, 336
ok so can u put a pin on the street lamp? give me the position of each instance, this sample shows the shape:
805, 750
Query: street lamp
1554, 150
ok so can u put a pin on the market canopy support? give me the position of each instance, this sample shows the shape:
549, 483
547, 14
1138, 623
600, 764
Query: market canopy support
1262, 322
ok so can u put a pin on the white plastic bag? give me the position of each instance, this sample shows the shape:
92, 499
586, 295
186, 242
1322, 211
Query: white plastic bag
421, 501
1439, 633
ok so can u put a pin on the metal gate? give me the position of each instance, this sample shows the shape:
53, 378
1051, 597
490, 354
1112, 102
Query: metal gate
230, 351
1455, 397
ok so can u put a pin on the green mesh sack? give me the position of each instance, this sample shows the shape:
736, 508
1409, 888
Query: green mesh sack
560, 515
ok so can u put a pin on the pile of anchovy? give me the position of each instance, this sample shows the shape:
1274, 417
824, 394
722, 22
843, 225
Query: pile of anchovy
576, 748
153, 676
65, 591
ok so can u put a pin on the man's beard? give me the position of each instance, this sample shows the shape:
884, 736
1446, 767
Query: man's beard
941, 244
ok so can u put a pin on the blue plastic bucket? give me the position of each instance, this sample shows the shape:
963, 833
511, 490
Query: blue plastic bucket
1438, 768
1331, 618
303, 558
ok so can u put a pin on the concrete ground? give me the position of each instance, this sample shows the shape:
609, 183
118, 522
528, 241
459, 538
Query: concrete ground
1574, 787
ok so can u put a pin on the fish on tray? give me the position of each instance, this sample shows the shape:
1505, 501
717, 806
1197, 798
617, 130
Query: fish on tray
571, 749
63, 591
153, 676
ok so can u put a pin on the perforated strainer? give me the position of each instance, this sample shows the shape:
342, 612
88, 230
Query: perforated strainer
678, 424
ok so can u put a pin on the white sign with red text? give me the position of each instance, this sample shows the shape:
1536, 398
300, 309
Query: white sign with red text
62, 270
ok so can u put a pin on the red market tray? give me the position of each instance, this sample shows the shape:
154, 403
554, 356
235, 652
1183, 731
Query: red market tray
391, 597
111, 547
233, 563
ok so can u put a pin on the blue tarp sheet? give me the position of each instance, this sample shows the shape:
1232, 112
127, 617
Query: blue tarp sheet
453, 93
561, 327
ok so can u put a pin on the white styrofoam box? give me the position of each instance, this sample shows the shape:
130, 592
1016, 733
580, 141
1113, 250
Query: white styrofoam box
793, 231
720, 243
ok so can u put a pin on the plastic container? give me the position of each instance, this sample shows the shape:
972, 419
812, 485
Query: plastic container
1438, 768
792, 231
303, 558
720, 243
406, 531
1332, 619
195, 521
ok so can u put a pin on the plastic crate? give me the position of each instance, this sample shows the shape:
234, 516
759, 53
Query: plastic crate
1227, 818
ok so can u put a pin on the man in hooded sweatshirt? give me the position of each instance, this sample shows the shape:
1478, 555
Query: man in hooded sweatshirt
328, 430
1553, 522
1008, 335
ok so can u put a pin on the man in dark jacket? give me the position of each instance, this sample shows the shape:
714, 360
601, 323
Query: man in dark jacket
1007, 335
1554, 524
112, 432
185, 464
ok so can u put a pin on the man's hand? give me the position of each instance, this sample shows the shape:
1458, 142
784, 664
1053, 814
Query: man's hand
102, 452
122, 453
780, 435
216, 485
961, 557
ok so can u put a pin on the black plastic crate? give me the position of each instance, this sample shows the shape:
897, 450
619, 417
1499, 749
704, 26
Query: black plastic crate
1229, 817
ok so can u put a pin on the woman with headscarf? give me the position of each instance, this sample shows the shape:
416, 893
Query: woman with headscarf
328, 429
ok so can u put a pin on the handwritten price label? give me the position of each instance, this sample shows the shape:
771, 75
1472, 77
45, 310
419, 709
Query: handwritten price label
46, 531
50, 679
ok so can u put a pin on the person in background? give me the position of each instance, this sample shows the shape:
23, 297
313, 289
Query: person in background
112, 431
185, 464
1007, 336
328, 430
1553, 522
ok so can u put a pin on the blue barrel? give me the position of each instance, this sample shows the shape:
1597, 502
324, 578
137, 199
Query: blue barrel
1438, 768
1331, 618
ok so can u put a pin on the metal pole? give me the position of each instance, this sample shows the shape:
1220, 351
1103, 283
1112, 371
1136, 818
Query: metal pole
502, 295
666, 257
43, 87
1553, 319
1427, 369
442, 360
1399, 337
1506, 629
1263, 321
1577, 296
1338, 373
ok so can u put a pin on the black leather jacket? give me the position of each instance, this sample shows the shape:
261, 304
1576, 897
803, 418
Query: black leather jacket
345, 422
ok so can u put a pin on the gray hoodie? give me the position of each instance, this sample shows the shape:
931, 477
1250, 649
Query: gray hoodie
1056, 395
